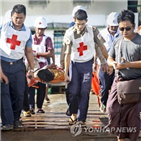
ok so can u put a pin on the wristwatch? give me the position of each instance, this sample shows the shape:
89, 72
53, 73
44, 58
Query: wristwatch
31, 70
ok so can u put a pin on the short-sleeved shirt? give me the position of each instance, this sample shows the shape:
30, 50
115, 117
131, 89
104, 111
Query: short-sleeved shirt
98, 39
48, 43
130, 51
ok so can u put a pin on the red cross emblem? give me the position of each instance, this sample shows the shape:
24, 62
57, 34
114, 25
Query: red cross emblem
81, 48
13, 42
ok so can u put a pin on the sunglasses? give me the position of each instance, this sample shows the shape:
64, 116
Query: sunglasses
125, 28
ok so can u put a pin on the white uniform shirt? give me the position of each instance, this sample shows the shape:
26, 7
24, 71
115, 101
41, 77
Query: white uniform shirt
83, 48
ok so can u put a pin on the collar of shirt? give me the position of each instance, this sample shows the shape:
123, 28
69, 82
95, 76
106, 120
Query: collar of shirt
115, 35
78, 35
36, 40
12, 25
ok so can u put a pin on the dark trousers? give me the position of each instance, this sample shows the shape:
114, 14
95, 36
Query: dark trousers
40, 95
12, 94
67, 89
106, 81
25, 102
67, 95
79, 89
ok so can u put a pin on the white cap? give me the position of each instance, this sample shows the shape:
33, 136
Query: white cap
112, 19
75, 9
40, 22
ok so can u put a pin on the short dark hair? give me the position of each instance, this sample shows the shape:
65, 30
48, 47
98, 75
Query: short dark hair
126, 15
19, 8
81, 15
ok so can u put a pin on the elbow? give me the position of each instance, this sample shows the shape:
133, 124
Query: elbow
28, 50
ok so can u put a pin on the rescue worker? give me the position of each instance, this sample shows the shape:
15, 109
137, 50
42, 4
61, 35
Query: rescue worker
109, 34
42, 49
16, 41
80, 47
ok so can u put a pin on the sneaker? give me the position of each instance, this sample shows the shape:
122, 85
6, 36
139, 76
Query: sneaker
102, 108
32, 111
26, 113
7, 127
18, 125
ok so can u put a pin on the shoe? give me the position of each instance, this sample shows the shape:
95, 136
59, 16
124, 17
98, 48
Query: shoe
40, 111
71, 121
68, 112
26, 113
83, 124
18, 125
102, 108
32, 111
48, 100
7, 127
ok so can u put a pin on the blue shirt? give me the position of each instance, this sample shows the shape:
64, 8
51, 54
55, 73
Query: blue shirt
71, 24
28, 43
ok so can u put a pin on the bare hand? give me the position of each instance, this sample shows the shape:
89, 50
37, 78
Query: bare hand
4, 78
95, 67
52, 66
114, 65
104, 67
110, 70
67, 79
123, 65
30, 74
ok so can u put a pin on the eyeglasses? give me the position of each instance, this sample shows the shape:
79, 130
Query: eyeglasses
125, 28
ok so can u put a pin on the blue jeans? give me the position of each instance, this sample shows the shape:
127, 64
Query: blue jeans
106, 82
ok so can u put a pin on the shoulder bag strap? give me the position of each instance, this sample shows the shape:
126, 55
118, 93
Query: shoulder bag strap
118, 58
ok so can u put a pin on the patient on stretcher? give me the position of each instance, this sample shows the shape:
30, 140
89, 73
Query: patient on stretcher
48, 74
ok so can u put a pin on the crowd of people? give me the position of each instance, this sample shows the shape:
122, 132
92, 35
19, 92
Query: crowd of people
23, 53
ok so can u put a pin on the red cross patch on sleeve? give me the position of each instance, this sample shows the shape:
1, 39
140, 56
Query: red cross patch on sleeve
67, 40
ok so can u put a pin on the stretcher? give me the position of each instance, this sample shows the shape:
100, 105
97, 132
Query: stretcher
46, 75
96, 86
